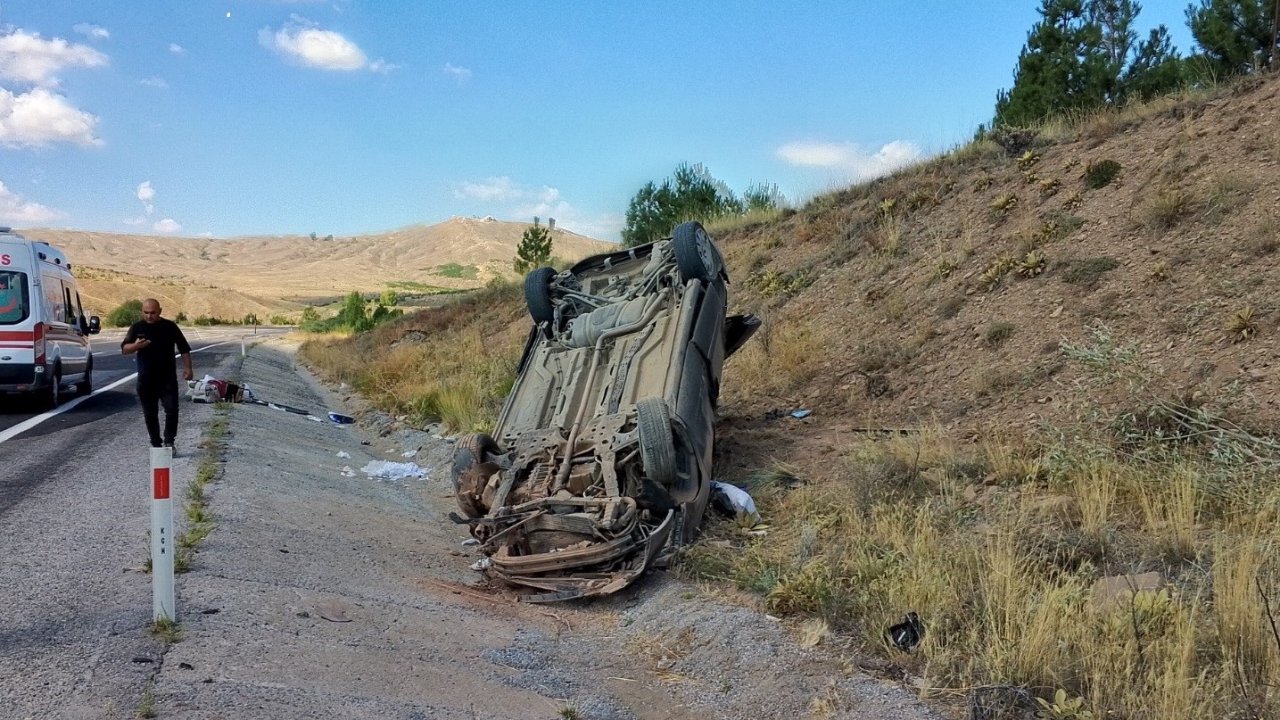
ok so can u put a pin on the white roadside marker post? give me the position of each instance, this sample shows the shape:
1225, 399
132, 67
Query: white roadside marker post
162, 541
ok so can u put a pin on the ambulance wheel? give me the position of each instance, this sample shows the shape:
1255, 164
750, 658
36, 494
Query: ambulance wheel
85, 386
53, 394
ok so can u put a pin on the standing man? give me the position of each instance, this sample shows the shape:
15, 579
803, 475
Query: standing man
156, 340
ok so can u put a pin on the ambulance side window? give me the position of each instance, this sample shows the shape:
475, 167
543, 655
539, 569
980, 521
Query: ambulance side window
70, 306
53, 298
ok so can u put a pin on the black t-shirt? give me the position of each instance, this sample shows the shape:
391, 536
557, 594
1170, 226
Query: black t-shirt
156, 361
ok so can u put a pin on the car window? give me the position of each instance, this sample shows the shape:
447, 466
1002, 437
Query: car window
53, 298
15, 301
68, 305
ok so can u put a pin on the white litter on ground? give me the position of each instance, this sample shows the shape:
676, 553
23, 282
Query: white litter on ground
482, 564
386, 470
743, 506
470, 542
408, 453
347, 471
344, 454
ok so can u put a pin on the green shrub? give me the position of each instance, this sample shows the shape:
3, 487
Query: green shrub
1100, 174
129, 312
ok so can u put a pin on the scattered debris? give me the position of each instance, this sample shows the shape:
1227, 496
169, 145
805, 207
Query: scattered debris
410, 453
1114, 591
906, 635
344, 454
341, 419
347, 471
386, 470
798, 414
209, 389
734, 502
470, 542
333, 611
482, 564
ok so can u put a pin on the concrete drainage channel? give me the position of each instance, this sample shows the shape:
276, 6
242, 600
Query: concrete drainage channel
316, 593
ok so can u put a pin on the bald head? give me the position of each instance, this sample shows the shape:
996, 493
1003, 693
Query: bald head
151, 310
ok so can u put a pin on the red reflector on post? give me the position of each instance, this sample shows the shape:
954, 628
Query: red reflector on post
160, 481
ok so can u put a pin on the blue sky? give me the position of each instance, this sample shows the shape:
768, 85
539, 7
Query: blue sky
235, 117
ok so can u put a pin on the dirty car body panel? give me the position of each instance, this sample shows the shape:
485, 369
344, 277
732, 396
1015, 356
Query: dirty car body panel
599, 466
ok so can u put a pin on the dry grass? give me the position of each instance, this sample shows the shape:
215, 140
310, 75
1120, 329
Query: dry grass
784, 354
454, 364
998, 547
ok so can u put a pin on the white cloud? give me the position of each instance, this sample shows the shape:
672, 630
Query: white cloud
40, 117
167, 226
155, 82
29, 59
146, 193
457, 72
14, 209
850, 158
302, 42
93, 32
177, 49
490, 189
505, 198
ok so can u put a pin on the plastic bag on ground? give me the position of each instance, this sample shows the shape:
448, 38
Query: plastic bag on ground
386, 470
734, 501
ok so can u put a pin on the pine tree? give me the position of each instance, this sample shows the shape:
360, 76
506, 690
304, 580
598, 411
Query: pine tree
534, 249
691, 193
1084, 54
1237, 37
1051, 76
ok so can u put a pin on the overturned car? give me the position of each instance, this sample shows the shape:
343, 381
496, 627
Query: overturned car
600, 463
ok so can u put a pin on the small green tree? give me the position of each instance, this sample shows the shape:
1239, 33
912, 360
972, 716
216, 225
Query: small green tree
534, 249
691, 193
1237, 37
1085, 54
310, 320
180, 318
389, 298
128, 313
353, 314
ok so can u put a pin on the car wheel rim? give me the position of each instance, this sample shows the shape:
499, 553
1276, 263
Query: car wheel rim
704, 251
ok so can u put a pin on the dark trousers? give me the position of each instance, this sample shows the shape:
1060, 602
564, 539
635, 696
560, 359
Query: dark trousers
154, 394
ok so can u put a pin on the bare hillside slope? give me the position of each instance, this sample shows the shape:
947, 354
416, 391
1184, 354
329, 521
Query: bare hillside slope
946, 290
254, 274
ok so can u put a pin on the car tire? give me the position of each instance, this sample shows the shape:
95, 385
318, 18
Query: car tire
657, 444
85, 386
471, 450
53, 394
537, 294
695, 255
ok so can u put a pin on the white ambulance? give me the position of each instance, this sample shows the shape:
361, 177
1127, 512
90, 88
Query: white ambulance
44, 335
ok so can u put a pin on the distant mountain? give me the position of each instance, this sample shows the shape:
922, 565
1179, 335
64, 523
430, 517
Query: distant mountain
231, 277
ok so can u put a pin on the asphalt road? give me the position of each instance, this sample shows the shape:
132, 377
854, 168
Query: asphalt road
74, 516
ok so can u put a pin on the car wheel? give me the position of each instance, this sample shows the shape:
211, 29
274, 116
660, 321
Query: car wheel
537, 294
657, 445
85, 386
695, 255
471, 452
53, 394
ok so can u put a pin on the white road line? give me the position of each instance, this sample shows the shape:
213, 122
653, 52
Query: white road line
33, 422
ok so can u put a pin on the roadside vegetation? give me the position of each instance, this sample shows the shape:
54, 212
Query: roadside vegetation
453, 364
1127, 562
